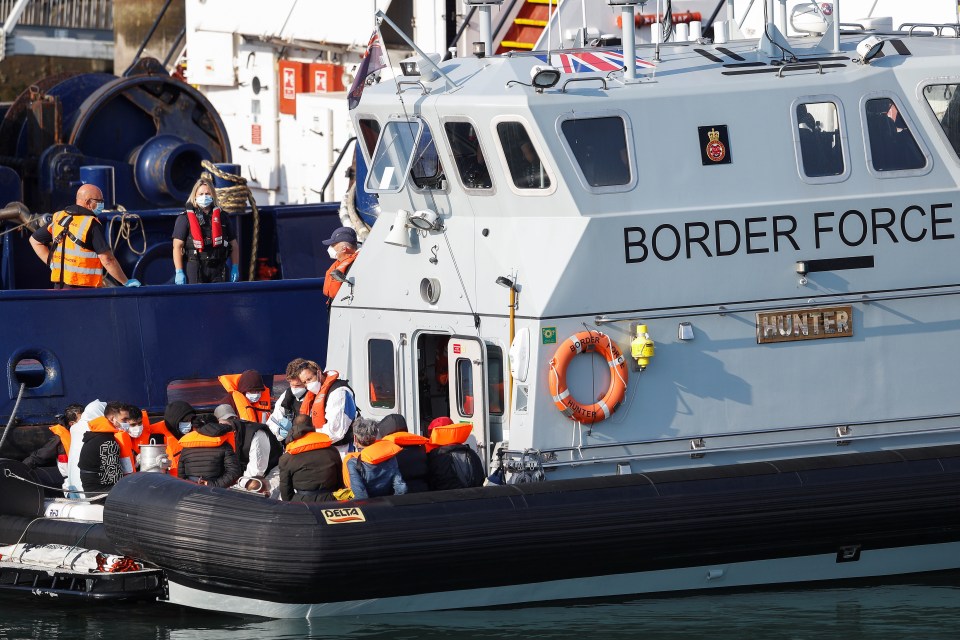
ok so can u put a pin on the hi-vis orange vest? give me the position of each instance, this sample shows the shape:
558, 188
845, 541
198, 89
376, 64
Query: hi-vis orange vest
71, 262
64, 434
195, 439
315, 404
330, 286
252, 412
128, 460
310, 442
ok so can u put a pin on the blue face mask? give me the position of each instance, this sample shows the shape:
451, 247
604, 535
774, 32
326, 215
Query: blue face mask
282, 433
99, 208
185, 427
204, 201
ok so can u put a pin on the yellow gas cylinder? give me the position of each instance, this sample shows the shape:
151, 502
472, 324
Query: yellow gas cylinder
642, 347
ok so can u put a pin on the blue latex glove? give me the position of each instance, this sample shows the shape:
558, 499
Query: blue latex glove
132, 282
180, 278
234, 273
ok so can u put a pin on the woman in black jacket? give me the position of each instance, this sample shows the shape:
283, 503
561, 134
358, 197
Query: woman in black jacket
208, 456
311, 469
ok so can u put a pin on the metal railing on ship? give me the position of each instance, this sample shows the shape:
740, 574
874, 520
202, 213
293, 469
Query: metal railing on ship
65, 14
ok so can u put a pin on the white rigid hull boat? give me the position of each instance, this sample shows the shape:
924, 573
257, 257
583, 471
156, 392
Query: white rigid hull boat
768, 234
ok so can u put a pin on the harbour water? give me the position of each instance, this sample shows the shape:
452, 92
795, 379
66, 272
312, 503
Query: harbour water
926, 609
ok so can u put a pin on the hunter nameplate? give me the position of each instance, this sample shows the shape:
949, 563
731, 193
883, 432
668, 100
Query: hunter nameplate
788, 325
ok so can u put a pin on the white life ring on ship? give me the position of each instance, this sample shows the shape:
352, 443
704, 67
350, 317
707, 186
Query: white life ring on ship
584, 342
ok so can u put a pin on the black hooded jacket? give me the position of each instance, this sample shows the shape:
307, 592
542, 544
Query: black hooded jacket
219, 466
412, 459
244, 430
176, 412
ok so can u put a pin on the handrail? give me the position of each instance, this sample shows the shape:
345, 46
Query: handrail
799, 66
938, 28
336, 164
563, 89
415, 83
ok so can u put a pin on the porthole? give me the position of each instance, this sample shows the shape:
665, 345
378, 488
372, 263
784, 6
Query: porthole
430, 290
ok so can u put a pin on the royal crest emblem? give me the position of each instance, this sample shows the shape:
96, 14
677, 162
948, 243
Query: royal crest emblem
715, 149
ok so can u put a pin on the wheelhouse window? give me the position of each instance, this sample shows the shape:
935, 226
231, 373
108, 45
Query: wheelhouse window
369, 132
600, 148
381, 374
465, 387
818, 132
426, 170
393, 155
526, 168
892, 145
495, 379
944, 99
468, 156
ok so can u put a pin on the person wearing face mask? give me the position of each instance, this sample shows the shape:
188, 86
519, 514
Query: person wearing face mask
288, 404
201, 235
177, 422
310, 468
257, 450
330, 403
107, 451
209, 453
247, 395
342, 248
74, 247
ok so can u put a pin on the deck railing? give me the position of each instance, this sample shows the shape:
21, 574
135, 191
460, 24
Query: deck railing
65, 14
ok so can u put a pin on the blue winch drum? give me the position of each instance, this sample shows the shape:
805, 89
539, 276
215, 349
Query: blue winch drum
102, 177
233, 169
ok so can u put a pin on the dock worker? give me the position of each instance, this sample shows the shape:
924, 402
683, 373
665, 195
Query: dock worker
342, 248
107, 452
74, 247
208, 456
288, 404
201, 236
330, 403
375, 471
49, 462
257, 450
310, 468
247, 394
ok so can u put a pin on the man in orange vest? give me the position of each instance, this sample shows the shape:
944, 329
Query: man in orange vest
342, 248
247, 395
375, 471
49, 462
107, 452
329, 403
74, 247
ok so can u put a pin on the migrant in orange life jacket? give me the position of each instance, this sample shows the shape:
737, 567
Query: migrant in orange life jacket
63, 433
128, 460
330, 286
449, 434
379, 451
159, 428
406, 439
257, 411
346, 473
310, 442
315, 404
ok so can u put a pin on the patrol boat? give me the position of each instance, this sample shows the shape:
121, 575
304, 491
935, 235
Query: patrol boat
698, 301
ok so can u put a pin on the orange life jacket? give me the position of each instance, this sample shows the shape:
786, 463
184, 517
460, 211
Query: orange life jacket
160, 428
252, 412
330, 286
195, 439
64, 434
216, 230
379, 451
310, 442
346, 471
102, 425
315, 404
405, 439
449, 434
71, 262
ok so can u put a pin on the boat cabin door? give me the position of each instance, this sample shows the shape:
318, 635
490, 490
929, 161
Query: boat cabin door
466, 358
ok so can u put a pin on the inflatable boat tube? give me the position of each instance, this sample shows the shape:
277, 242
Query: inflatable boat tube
226, 542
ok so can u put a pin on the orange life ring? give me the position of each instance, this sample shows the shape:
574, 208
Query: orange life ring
584, 342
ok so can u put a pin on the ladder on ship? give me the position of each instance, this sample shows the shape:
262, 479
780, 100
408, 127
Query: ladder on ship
527, 26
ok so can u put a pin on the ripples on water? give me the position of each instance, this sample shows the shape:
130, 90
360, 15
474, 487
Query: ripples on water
926, 611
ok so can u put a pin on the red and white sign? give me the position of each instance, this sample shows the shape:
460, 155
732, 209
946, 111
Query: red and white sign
456, 348
319, 81
289, 84
256, 134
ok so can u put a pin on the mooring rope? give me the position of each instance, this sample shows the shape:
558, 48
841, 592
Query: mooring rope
100, 494
128, 223
234, 200
13, 415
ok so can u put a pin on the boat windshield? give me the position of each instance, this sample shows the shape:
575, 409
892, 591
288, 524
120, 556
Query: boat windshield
393, 156
526, 168
467, 154
944, 99
426, 170
892, 145
600, 147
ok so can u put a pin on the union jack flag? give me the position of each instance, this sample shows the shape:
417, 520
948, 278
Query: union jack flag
587, 61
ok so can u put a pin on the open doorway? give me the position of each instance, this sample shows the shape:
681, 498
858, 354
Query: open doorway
433, 379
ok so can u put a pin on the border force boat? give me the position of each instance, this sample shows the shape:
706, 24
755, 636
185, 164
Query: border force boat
698, 302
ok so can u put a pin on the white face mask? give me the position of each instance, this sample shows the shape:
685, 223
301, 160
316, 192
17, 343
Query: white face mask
185, 427
204, 201
313, 387
252, 397
135, 431
124, 426
332, 253
298, 392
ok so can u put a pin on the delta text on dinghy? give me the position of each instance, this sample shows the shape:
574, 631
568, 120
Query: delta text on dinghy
778, 219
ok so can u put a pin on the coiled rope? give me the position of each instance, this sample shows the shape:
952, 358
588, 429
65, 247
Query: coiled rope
128, 224
234, 200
